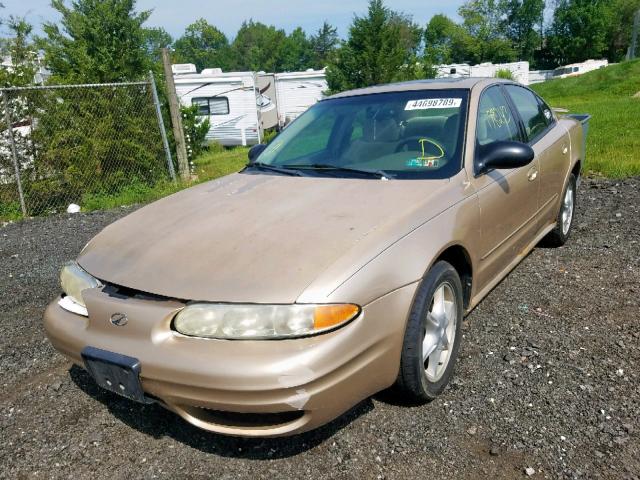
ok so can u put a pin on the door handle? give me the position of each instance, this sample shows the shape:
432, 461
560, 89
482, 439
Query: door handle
532, 174
564, 149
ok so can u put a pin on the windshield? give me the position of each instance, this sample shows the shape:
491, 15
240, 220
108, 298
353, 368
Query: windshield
417, 134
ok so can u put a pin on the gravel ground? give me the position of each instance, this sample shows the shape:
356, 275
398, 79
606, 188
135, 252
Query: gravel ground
547, 384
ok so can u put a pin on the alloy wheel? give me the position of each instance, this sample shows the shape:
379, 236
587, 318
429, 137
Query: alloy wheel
440, 332
567, 209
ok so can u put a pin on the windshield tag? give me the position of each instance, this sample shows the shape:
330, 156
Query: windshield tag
427, 103
423, 162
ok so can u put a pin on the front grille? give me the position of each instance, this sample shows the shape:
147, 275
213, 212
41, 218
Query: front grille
118, 291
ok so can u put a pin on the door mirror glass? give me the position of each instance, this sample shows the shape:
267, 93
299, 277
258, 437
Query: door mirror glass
503, 154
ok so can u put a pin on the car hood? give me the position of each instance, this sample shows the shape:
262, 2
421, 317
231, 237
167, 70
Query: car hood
253, 237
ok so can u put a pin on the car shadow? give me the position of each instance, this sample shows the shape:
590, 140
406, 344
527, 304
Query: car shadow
392, 396
158, 422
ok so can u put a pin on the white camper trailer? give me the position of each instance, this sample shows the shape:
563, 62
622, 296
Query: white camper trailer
454, 70
519, 70
240, 106
297, 91
228, 100
267, 100
539, 76
576, 69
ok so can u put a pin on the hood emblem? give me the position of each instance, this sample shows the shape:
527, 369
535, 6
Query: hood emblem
119, 319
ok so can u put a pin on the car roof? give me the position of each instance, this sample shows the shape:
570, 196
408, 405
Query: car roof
466, 83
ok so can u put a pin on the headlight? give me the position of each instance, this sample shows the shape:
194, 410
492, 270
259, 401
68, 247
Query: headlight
252, 322
74, 280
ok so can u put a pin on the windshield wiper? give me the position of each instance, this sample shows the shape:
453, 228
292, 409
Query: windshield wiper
266, 166
337, 168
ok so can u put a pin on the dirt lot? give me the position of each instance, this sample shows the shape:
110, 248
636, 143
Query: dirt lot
548, 378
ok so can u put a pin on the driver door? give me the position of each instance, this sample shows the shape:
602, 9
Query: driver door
508, 198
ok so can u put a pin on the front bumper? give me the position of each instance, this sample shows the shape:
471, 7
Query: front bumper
242, 387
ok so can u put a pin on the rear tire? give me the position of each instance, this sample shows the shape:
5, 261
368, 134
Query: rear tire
433, 333
560, 234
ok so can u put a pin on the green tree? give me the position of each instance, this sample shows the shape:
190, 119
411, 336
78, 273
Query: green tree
621, 27
156, 38
484, 20
19, 47
324, 44
96, 41
382, 46
446, 41
203, 45
522, 18
581, 30
95, 140
258, 47
296, 52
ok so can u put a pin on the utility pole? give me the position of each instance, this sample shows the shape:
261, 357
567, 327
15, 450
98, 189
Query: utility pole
176, 118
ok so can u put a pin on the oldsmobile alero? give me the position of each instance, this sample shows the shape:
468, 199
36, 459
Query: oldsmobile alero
338, 263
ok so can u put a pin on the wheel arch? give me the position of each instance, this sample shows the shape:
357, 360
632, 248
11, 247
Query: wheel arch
459, 258
577, 168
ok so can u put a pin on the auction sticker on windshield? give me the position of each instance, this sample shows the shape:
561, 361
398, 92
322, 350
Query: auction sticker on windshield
426, 103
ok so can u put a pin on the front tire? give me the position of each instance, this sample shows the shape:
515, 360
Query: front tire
433, 333
560, 234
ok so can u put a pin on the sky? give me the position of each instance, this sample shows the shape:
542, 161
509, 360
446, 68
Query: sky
228, 15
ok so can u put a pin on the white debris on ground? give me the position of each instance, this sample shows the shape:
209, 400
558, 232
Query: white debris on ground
73, 208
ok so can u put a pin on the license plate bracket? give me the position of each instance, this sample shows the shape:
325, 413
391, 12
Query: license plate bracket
115, 372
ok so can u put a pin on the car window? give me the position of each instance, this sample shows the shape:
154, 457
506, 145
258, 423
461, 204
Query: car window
534, 119
495, 119
546, 110
412, 134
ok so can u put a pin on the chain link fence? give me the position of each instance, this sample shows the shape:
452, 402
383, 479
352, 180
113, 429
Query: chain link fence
80, 144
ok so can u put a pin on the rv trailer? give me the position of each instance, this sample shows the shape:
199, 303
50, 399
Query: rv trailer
228, 100
539, 76
454, 70
240, 106
576, 69
519, 70
297, 91
266, 100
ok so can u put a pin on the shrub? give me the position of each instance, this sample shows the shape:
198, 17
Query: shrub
269, 135
195, 131
504, 73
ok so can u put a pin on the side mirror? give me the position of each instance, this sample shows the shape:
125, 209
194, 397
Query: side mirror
503, 155
255, 151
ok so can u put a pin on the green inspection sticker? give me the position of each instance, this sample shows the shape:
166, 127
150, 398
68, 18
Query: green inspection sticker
422, 163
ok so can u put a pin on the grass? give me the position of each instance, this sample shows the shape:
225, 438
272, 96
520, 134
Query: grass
212, 164
128, 195
218, 162
10, 211
613, 142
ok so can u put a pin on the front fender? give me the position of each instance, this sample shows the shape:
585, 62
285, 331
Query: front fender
406, 260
